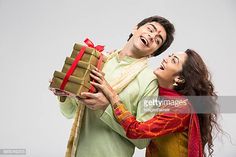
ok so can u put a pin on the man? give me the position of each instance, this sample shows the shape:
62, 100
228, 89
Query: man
127, 72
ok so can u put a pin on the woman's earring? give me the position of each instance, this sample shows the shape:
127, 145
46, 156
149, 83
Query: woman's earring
175, 84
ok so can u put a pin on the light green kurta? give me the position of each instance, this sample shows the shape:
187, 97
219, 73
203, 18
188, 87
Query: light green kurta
100, 134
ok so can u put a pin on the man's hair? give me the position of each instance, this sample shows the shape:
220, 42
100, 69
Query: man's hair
169, 28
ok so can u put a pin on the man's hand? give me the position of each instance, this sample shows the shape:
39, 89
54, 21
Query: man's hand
62, 94
58, 92
94, 101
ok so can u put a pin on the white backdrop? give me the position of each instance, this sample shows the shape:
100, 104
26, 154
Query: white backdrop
36, 36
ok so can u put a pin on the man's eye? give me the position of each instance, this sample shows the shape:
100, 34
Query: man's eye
150, 29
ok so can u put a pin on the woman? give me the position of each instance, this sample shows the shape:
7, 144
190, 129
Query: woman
180, 132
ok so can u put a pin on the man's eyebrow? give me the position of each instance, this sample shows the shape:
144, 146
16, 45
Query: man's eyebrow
153, 26
156, 30
161, 38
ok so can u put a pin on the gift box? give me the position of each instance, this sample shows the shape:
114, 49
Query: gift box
82, 69
74, 76
91, 55
75, 85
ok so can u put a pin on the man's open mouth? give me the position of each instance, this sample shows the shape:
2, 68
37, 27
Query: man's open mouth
144, 40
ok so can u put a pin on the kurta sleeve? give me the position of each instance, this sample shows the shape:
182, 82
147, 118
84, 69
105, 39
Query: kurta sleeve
161, 124
68, 107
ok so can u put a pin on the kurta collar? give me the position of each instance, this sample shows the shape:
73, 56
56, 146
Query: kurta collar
125, 59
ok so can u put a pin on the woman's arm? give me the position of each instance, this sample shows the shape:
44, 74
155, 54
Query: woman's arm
159, 125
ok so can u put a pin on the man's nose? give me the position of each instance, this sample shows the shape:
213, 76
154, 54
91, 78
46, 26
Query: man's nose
151, 36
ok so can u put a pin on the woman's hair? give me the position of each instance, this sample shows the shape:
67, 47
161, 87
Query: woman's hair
198, 83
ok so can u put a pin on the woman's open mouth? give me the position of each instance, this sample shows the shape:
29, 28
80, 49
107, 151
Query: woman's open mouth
162, 67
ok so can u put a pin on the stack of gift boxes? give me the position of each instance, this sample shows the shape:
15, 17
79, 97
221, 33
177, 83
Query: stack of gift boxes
74, 77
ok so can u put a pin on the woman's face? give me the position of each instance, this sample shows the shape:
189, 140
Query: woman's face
167, 73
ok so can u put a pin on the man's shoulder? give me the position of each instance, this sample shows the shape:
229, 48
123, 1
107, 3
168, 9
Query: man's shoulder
147, 79
147, 74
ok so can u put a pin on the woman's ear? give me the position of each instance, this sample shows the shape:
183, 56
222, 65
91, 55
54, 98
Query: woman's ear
179, 80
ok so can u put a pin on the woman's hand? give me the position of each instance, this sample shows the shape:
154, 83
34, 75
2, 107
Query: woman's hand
101, 84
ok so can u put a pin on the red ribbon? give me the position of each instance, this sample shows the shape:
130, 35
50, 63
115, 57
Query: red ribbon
89, 43
99, 48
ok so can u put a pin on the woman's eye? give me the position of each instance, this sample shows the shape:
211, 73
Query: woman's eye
173, 60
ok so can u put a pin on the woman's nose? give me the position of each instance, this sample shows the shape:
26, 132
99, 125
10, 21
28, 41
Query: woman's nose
165, 60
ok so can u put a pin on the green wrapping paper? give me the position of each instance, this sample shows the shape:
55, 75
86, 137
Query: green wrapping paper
91, 55
75, 85
83, 68
79, 80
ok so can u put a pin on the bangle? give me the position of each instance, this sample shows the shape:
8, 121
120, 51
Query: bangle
120, 112
116, 104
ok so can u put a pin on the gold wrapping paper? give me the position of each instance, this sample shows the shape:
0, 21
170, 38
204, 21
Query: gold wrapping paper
75, 85
79, 81
90, 55
83, 68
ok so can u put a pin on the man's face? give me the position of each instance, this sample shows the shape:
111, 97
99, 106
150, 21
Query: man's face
148, 38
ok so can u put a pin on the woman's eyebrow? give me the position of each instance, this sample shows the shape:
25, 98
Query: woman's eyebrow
176, 58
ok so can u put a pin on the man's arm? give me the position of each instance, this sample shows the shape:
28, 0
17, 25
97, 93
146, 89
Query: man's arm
68, 106
143, 86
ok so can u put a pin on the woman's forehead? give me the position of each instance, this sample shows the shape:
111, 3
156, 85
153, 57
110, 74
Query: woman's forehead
182, 56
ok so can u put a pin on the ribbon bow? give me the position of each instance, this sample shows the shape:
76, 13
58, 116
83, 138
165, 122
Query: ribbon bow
88, 42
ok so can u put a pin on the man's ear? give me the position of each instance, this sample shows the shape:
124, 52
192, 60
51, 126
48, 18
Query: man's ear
179, 80
134, 29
